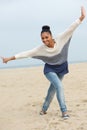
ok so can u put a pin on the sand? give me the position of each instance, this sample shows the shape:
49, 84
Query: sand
22, 93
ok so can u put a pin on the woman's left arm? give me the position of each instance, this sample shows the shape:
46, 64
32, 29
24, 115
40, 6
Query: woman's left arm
68, 32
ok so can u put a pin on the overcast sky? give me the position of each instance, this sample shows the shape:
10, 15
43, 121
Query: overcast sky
21, 22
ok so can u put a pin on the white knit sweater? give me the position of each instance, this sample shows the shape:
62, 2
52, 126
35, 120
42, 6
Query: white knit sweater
56, 55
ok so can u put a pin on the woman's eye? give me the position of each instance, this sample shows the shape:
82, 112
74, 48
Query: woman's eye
46, 37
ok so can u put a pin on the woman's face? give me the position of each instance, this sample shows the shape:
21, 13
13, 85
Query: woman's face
46, 38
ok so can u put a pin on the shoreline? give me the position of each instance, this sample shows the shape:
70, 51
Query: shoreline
37, 65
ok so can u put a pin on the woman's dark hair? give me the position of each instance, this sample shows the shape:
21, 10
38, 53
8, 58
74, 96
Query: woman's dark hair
46, 28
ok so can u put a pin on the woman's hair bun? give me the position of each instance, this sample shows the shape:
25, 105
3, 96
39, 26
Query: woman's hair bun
47, 28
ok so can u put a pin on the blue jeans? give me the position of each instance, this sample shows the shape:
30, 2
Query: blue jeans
55, 87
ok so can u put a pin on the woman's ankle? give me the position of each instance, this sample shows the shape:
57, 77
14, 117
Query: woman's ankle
64, 113
42, 112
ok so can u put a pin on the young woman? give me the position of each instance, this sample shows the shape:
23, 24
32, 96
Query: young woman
54, 53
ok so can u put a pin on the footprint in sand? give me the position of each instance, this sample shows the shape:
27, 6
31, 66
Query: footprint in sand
80, 128
85, 100
78, 105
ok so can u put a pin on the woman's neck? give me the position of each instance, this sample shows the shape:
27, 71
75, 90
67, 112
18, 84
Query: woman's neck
51, 45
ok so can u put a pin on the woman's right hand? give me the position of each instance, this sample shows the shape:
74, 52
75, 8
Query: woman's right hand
4, 60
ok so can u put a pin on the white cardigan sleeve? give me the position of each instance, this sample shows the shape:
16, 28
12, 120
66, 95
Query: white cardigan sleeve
68, 32
28, 53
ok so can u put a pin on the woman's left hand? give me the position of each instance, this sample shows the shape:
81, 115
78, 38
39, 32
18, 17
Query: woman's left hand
83, 13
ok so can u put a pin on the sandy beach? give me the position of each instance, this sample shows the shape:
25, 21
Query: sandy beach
22, 93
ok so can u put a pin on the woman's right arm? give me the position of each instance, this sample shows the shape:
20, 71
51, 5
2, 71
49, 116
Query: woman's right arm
21, 55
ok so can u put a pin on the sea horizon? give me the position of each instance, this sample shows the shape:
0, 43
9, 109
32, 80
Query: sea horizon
36, 65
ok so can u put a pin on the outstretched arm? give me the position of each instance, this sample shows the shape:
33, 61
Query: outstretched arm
25, 54
68, 32
20, 55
